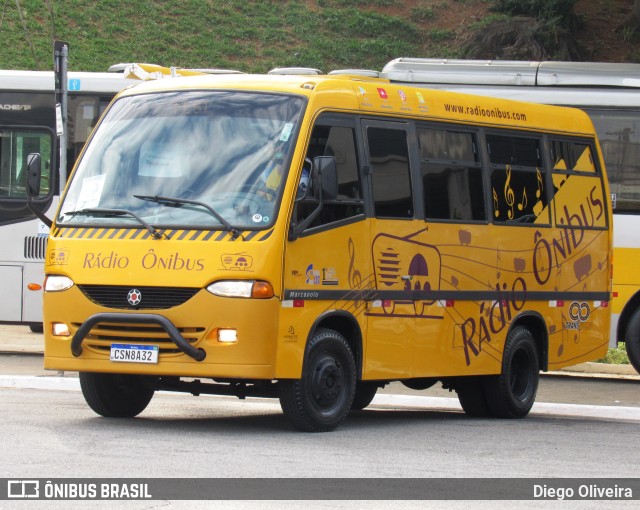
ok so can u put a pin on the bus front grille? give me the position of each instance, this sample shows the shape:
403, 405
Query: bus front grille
130, 297
103, 335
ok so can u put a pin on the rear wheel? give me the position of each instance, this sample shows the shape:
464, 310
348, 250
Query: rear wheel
632, 340
321, 399
512, 393
115, 395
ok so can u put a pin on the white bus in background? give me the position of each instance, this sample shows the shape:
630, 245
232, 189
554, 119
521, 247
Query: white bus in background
28, 125
610, 94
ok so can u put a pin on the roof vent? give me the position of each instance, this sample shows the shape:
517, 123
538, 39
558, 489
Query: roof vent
295, 71
368, 73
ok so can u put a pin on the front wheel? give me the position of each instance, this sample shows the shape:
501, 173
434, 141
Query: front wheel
512, 393
632, 340
115, 395
321, 399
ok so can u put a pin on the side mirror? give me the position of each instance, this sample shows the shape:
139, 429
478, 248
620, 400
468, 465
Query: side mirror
324, 178
325, 170
34, 170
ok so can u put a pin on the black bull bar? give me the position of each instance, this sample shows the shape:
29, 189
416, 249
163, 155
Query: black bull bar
134, 318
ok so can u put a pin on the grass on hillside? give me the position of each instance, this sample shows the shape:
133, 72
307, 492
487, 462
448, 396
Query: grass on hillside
248, 35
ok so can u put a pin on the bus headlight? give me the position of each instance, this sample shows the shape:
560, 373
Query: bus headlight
56, 283
241, 288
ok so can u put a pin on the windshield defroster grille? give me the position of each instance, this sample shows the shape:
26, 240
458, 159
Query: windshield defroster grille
131, 297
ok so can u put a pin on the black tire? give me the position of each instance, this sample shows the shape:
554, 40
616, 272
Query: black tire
321, 399
115, 395
512, 393
36, 327
472, 397
365, 391
632, 340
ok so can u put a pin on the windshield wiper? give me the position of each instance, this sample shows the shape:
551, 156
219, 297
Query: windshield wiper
97, 211
179, 202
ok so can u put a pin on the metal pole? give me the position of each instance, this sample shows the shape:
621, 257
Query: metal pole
64, 86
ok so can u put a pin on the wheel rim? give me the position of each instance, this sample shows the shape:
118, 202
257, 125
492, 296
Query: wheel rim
327, 382
521, 375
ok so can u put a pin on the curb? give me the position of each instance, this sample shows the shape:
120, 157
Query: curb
598, 371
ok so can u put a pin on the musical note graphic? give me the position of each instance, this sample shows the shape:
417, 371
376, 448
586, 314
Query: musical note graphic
496, 203
355, 277
523, 202
540, 183
509, 195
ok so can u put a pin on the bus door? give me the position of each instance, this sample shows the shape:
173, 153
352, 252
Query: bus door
400, 263
326, 268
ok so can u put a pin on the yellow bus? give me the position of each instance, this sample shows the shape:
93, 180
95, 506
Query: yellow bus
315, 237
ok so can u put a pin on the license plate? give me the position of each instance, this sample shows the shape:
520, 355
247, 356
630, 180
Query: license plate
130, 353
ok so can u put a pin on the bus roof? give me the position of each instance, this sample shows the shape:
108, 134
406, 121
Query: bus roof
512, 72
381, 97
83, 82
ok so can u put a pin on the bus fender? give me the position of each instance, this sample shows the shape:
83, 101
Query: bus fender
536, 324
347, 325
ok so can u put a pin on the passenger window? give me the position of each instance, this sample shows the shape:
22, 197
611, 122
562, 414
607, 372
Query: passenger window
339, 142
517, 179
572, 156
451, 175
389, 158
581, 205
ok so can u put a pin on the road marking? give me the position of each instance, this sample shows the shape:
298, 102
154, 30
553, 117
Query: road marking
382, 400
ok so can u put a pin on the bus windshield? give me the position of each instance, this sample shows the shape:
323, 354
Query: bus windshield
213, 160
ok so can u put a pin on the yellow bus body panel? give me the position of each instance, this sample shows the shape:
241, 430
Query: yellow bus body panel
401, 338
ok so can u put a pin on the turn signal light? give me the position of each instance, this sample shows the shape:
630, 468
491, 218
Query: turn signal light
262, 290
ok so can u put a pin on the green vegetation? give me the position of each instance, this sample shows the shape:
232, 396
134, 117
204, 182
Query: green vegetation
617, 356
556, 11
249, 35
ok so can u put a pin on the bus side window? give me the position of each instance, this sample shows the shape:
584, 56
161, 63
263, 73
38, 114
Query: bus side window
340, 143
451, 175
518, 186
389, 158
578, 167
15, 147
572, 156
